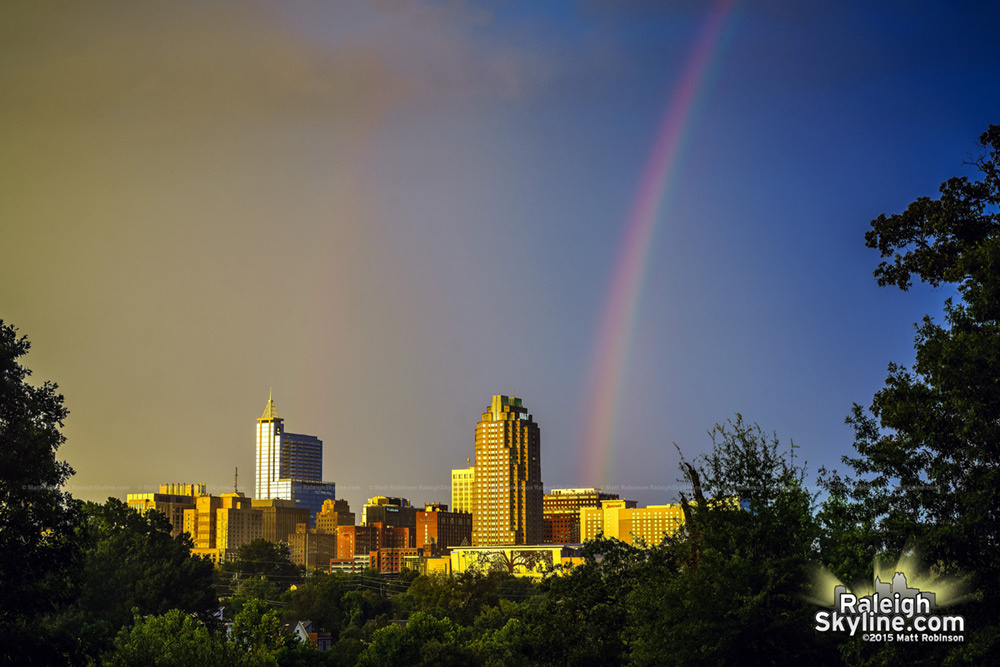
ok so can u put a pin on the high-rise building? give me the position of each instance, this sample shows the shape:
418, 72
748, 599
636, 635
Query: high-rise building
507, 488
290, 465
461, 489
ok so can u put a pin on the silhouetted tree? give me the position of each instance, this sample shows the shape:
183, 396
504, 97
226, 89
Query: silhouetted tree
130, 562
36, 516
928, 449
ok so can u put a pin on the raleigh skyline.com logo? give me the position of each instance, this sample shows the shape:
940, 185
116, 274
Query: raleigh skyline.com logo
892, 611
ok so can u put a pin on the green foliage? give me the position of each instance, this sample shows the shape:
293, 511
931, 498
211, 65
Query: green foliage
928, 460
424, 641
174, 639
463, 596
318, 600
261, 558
728, 588
130, 562
257, 629
36, 516
254, 588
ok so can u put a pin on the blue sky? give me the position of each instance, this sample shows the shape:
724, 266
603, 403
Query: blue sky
389, 212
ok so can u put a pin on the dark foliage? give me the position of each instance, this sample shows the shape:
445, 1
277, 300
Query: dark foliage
36, 516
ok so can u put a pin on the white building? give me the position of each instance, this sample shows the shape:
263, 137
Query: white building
289, 465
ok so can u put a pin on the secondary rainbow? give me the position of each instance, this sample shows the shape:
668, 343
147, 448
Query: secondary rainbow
607, 369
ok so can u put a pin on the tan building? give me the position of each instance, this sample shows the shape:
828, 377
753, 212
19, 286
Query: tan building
171, 501
507, 486
622, 520
200, 522
312, 548
561, 513
219, 525
335, 513
280, 518
462, 480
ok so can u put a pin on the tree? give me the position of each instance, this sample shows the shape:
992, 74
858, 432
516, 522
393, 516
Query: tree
130, 563
36, 516
262, 558
928, 448
728, 588
168, 640
319, 600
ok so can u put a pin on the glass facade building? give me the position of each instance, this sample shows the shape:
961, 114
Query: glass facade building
289, 465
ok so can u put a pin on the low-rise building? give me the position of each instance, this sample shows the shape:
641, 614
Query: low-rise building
171, 500
527, 560
622, 520
561, 513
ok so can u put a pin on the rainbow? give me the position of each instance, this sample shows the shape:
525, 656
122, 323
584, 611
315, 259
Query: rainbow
607, 369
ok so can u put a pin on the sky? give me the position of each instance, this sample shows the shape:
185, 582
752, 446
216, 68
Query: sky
641, 218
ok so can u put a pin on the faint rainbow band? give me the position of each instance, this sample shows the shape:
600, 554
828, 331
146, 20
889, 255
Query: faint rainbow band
607, 369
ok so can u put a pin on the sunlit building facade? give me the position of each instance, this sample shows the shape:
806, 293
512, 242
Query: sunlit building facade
335, 513
507, 485
561, 513
438, 529
461, 489
622, 520
289, 466
171, 501
219, 525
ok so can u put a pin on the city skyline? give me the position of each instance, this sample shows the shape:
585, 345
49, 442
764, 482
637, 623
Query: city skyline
642, 218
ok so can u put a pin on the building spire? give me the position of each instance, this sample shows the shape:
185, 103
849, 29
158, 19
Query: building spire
270, 412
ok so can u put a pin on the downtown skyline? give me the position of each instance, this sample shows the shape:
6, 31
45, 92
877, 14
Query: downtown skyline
390, 213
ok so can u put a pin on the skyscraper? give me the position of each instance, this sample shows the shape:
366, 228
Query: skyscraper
507, 487
289, 465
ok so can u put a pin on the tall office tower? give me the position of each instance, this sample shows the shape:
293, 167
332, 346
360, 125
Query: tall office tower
289, 465
507, 488
461, 489
282, 455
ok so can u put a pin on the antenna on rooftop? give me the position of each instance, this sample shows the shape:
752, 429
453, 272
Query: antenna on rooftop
236, 480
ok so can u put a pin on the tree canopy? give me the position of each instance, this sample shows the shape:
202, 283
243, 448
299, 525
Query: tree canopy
36, 515
928, 448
